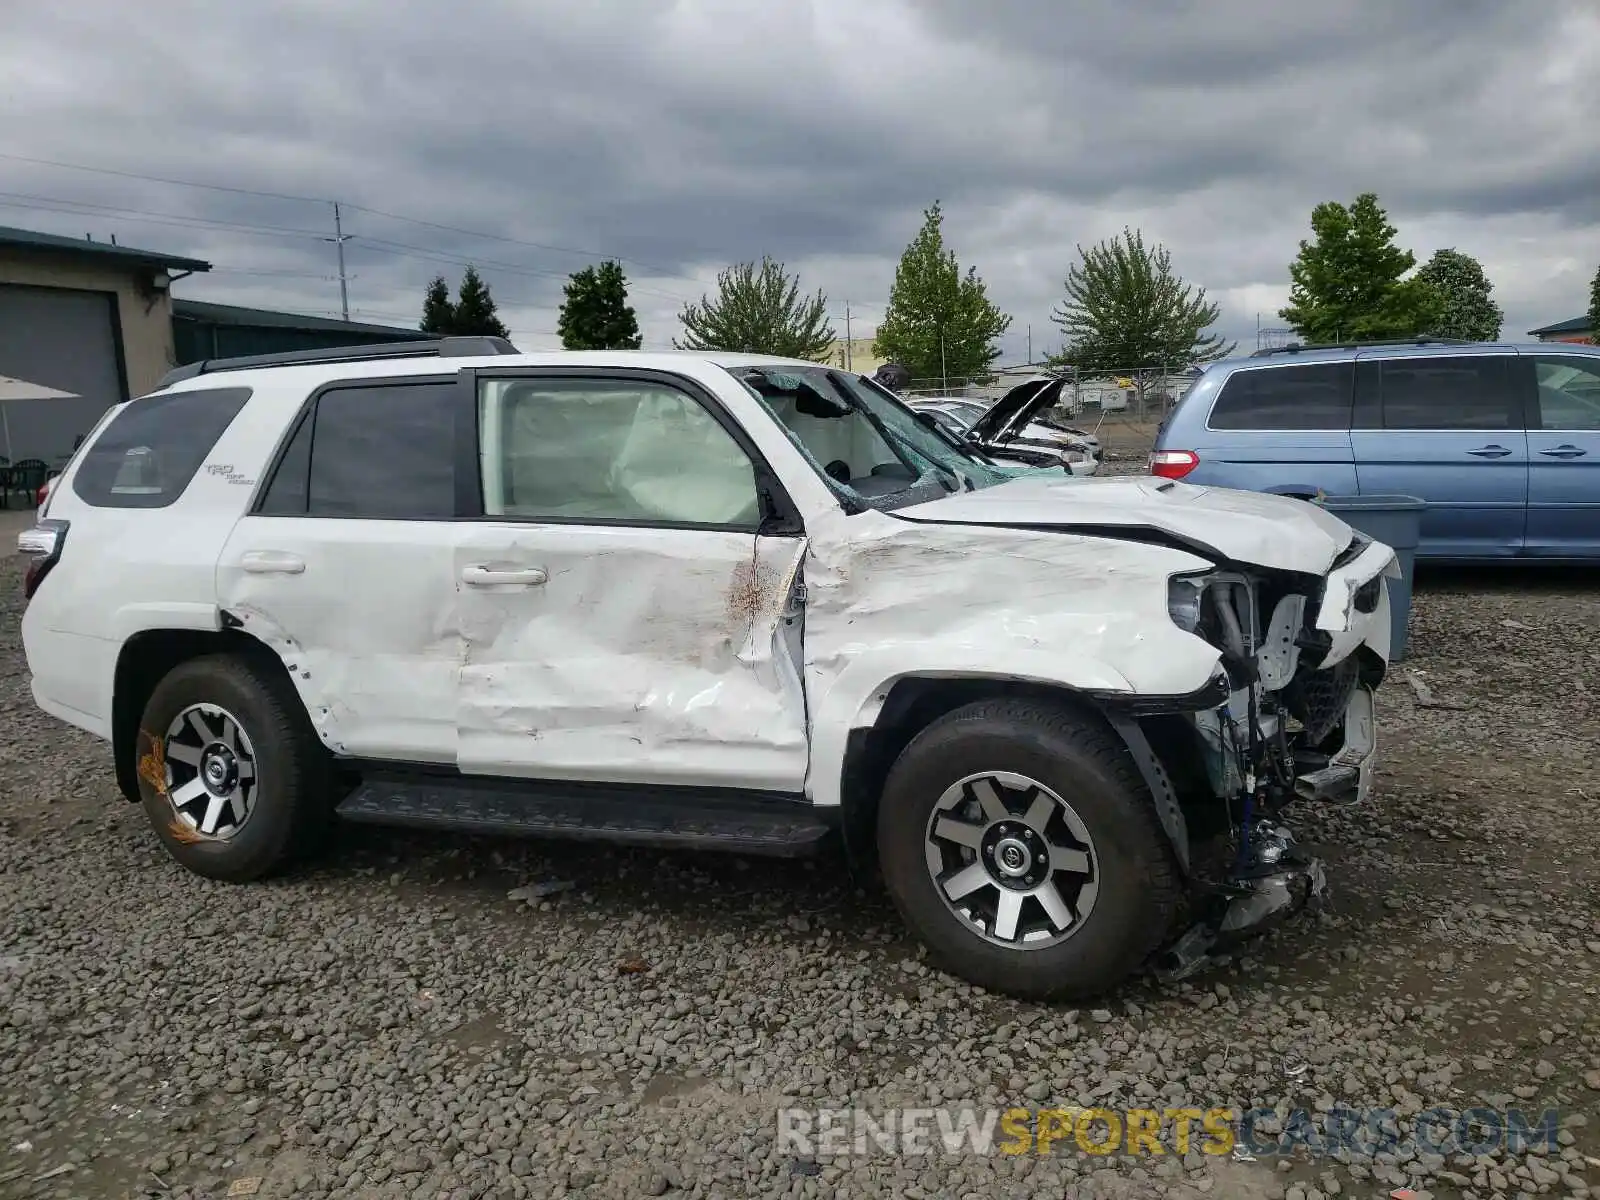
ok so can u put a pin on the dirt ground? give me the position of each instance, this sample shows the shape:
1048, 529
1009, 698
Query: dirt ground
395, 1019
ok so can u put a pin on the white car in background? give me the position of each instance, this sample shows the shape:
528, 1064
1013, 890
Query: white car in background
1017, 427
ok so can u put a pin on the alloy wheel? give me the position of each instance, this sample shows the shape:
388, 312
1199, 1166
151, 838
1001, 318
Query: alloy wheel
210, 770
1012, 860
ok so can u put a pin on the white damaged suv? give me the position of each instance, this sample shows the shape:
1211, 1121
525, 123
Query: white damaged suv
717, 601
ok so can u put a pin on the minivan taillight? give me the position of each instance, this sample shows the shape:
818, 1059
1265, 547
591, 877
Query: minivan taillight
1173, 464
42, 544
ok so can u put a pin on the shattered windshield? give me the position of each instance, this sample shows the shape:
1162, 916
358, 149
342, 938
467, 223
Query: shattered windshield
873, 451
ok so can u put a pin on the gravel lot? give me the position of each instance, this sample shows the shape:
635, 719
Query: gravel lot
390, 1022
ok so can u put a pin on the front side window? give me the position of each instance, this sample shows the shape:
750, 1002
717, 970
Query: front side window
1569, 392
150, 451
1313, 396
610, 450
1465, 392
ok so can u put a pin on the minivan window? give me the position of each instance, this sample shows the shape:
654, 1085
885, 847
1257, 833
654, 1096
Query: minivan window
1464, 392
1569, 392
151, 450
1312, 396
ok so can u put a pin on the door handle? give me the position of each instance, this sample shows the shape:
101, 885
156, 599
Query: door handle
272, 562
1490, 452
482, 575
1568, 450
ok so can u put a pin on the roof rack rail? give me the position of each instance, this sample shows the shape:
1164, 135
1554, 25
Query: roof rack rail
1296, 347
445, 347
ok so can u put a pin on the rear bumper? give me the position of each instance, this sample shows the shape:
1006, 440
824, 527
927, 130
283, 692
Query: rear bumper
71, 674
88, 722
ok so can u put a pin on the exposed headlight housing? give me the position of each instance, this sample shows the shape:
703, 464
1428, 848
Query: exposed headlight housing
1218, 607
1184, 593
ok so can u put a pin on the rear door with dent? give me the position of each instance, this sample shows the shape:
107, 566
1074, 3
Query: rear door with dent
344, 566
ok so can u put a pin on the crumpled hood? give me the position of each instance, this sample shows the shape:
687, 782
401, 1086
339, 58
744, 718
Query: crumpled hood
1245, 527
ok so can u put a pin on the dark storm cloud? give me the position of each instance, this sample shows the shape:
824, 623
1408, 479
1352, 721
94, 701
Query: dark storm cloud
683, 136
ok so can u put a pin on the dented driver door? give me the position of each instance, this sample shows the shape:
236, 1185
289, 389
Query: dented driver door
628, 612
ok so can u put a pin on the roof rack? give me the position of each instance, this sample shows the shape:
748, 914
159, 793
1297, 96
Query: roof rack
446, 347
1296, 347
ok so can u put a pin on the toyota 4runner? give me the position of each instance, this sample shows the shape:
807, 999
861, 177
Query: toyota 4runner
717, 601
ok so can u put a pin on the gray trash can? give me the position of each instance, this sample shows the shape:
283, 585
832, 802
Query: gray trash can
1395, 521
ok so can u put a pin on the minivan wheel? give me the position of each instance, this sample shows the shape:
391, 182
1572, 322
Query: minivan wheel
229, 774
1020, 844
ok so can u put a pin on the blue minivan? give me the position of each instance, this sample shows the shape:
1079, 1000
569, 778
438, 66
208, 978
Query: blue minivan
1502, 441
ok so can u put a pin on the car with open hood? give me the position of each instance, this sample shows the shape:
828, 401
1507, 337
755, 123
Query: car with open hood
1020, 426
715, 601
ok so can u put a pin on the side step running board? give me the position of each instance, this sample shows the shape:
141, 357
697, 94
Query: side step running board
738, 821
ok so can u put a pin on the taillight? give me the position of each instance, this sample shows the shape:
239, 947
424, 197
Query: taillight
1173, 464
42, 497
42, 544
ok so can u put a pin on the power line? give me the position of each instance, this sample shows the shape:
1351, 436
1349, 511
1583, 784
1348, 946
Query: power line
215, 187
381, 245
85, 208
660, 272
272, 274
406, 250
239, 191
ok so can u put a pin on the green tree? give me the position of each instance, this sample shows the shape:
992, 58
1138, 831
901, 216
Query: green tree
939, 322
1594, 308
1126, 309
758, 309
475, 313
1347, 285
1464, 308
438, 314
596, 314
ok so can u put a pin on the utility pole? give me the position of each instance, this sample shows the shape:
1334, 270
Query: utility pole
338, 239
1030, 345
849, 347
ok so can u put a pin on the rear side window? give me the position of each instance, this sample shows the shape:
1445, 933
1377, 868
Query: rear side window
384, 453
1313, 396
1466, 392
149, 452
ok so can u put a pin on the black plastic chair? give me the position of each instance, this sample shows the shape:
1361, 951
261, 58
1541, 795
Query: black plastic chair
25, 478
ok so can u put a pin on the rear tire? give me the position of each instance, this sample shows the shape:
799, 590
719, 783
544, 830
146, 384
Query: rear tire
230, 773
1070, 883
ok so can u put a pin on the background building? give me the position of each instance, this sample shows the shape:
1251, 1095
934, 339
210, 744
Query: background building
90, 318
1576, 330
201, 330
98, 321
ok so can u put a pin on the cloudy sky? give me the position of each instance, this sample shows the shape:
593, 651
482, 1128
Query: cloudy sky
682, 135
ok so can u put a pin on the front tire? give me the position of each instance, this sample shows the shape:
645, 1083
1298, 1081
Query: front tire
1020, 844
230, 774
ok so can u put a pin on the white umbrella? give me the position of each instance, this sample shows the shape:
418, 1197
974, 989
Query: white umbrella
21, 389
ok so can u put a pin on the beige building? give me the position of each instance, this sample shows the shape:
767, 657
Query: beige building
855, 355
90, 318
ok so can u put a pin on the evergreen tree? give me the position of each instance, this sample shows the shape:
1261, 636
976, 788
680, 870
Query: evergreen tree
1594, 308
1347, 285
596, 314
758, 309
475, 309
939, 322
438, 314
1126, 309
1465, 309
